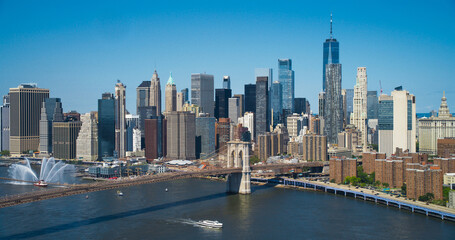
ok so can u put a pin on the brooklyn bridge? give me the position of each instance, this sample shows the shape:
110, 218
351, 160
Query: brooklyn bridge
75, 189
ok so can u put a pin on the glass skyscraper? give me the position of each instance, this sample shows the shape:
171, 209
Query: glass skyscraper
331, 54
372, 104
106, 125
250, 98
333, 112
286, 78
222, 102
276, 101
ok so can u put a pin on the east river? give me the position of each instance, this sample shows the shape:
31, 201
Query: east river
149, 212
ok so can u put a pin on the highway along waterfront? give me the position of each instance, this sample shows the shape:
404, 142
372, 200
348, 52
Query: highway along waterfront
149, 212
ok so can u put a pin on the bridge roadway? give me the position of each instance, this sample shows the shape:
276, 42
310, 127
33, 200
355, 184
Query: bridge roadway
69, 190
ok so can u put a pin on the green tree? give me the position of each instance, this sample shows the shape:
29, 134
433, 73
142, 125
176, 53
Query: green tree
428, 197
377, 183
332, 180
254, 159
386, 185
5, 153
403, 189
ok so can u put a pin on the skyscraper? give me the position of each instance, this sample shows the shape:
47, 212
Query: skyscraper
349, 95
234, 110
276, 102
185, 95
250, 98
262, 102
241, 98
143, 95
286, 78
264, 72
87, 140
180, 101
181, 135
4, 124
222, 102
397, 121
155, 93
359, 115
51, 111
132, 122
120, 124
333, 112
106, 126
331, 54
226, 82
155, 138
301, 105
202, 91
171, 95
25, 108
372, 105
205, 137
64, 137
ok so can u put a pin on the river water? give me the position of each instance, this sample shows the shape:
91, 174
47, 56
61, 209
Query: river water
149, 212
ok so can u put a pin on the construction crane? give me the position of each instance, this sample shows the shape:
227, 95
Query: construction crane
380, 86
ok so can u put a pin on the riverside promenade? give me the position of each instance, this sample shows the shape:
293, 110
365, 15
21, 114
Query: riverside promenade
440, 212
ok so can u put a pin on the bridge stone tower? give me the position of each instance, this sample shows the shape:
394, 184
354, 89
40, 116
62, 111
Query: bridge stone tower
238, 155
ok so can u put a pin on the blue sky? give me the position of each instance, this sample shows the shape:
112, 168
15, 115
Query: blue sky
78, 49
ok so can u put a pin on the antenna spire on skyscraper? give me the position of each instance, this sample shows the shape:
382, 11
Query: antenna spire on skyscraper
330, 25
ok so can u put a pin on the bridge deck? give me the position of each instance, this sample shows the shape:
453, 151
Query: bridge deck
127, 182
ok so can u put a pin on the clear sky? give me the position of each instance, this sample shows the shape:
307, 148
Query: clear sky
78, 49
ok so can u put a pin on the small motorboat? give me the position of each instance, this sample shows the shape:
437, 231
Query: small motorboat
119, 193
86, 196
40, 183
166, 190
210, 224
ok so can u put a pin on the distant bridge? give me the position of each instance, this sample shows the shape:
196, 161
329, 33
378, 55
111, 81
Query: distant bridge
69, 190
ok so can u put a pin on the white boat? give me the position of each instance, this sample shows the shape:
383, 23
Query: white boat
119, 193
40, 183
211, 224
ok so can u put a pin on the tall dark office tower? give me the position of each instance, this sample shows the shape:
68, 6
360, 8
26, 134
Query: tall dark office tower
155, 138
250, 98
372, 104
120, 124
64, 137
185, 95
226, 82
262, 119
222, 102
331, 54
143, 95
51, 111
4, 124
241, 98
106, 126
300, 106
202, 91
333, 112
25, 108
145, 113
276, 102
286, 78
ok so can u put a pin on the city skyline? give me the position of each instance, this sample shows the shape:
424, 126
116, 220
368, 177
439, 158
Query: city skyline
66, 53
